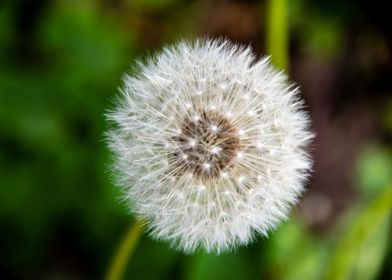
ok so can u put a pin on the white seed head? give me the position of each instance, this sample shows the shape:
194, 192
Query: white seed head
210, 144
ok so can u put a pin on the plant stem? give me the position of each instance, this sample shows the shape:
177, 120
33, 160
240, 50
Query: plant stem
277, 33
124, 252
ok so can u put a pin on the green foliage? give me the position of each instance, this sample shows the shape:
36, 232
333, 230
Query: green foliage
374, 170
5, 26
231, 266
60, 217
293, 252
53, 166
322, 35
352, 258
153, 4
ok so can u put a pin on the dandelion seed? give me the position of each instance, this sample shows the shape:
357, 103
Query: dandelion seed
214, 128
209, 170
215, 150
192, 143
206, 165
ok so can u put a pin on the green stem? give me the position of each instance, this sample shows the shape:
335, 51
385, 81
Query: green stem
277, 33
124, 252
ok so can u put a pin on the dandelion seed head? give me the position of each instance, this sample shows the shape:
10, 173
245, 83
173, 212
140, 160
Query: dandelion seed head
210, 145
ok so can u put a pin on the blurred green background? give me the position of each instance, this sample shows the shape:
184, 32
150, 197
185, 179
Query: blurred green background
61, 64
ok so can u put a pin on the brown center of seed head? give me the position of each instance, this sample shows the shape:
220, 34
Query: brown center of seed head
205, 147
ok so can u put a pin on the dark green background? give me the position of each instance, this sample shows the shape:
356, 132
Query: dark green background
61, 63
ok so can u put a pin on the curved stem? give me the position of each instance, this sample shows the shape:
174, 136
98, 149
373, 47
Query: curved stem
124, 252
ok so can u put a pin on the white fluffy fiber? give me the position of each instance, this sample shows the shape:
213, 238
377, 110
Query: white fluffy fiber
266, 177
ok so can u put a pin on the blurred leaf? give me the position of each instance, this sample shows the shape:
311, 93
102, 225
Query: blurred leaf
324, 36
374, 170
351, 252
6, 28
226, 267
293, 253
82, 42
153, 260
56, 200
154, 4
321, 34
370, 258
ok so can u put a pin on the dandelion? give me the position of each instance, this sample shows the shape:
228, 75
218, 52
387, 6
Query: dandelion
210, 145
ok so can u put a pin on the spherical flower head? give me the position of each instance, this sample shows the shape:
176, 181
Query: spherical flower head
210, 145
